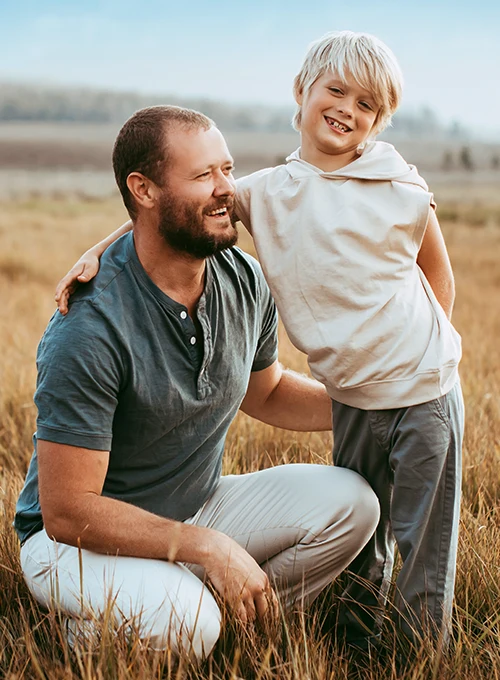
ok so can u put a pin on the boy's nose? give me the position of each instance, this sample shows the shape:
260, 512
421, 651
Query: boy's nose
345, 107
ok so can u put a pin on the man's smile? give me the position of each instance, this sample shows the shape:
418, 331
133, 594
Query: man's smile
220, 212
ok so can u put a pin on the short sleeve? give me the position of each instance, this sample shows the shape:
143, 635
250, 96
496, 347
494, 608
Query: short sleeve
267, 346
79, 376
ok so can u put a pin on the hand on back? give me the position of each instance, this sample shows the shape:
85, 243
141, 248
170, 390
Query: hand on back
83, 271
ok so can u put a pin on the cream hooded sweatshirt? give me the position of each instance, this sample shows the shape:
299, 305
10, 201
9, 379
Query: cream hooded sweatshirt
339, 252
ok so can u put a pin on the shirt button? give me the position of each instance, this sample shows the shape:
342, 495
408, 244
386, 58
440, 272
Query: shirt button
183, 315
193, 340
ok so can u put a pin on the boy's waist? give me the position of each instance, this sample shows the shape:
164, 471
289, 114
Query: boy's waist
398, 392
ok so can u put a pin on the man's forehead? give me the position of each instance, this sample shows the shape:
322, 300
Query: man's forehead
196, 145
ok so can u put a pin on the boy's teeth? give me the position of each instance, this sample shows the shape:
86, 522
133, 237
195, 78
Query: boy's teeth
338, 125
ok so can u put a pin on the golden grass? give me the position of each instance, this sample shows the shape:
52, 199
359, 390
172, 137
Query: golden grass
38, 241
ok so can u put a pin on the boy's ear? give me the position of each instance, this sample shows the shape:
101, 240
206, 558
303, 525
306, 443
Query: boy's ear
297, 92
143, 190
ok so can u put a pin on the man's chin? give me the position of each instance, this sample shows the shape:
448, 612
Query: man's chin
202, 248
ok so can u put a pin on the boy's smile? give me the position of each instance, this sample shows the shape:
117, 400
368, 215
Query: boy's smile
337, 116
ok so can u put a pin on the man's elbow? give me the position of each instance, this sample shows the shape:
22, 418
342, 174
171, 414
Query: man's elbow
63, 526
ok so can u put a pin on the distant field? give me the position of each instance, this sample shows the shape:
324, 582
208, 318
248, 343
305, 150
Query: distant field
60, 158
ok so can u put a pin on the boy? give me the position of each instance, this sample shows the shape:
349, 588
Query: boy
353, 253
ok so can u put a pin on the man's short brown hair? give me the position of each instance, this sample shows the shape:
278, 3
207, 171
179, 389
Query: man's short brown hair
142, 145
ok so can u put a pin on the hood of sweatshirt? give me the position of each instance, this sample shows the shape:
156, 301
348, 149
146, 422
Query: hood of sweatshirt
377, 161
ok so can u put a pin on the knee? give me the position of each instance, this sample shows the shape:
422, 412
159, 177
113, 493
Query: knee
192, 632
361, 506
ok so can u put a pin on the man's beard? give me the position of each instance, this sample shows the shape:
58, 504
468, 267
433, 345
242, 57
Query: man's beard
181, 226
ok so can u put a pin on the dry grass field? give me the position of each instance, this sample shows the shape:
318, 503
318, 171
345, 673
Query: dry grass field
39, 239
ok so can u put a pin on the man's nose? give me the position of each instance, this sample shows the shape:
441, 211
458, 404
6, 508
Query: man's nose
224, 185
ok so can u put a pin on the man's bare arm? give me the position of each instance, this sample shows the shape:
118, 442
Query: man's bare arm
287, 399
74, 512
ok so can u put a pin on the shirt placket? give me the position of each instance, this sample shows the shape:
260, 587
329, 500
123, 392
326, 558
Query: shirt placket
203, 388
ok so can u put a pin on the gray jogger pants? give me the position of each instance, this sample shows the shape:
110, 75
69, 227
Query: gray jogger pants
412, 459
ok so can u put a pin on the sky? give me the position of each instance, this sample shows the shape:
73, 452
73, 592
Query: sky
250, 51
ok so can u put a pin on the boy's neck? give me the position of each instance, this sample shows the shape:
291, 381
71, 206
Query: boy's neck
326, 162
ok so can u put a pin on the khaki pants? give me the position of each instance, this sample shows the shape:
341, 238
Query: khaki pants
302, 523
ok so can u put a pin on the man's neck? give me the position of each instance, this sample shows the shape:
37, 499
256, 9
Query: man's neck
178, 275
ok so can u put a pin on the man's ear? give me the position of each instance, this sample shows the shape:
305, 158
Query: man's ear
143, 190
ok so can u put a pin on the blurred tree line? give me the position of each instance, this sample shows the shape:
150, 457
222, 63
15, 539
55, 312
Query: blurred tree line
85, 105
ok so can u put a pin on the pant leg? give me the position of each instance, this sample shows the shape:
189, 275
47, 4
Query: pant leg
164, 601
302, 523
359, 445
426, 457
411, 457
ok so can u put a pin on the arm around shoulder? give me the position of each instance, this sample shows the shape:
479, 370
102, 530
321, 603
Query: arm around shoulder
85, 268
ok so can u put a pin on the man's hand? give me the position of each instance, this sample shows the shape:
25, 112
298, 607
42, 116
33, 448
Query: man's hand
239, 580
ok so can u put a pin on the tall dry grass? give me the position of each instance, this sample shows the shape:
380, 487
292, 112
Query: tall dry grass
39, 239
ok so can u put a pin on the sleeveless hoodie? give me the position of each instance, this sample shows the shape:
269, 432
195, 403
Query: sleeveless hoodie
339, 251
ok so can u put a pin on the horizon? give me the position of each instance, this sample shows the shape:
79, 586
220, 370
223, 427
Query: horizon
249, 55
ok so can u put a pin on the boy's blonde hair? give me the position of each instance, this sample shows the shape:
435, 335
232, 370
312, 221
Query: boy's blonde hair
366, 58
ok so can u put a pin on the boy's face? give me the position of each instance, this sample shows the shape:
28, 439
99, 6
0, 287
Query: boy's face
337, 116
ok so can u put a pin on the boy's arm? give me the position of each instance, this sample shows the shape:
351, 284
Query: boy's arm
433, 260
86, 268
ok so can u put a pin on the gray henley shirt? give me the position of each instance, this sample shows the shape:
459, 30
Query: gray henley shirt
125, 372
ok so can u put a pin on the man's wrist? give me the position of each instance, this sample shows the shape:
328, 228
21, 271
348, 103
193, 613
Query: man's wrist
197, 544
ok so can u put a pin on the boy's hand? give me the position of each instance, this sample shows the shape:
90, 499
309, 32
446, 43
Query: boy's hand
81, 272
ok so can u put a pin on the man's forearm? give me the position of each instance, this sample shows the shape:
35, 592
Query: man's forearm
296, 403
106, 525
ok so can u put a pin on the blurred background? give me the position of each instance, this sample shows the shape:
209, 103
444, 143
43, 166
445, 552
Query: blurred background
72, 72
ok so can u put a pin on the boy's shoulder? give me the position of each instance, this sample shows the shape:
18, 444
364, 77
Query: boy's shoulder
380, 161
261, 177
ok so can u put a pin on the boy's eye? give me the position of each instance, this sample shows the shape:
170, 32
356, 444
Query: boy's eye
366, 105
335, 90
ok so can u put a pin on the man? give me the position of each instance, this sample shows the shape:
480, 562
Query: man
136, 389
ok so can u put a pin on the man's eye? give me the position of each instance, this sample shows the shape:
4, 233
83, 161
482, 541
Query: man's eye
229, 170
204, 175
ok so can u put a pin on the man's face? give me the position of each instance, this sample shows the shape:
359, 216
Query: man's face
196, 206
